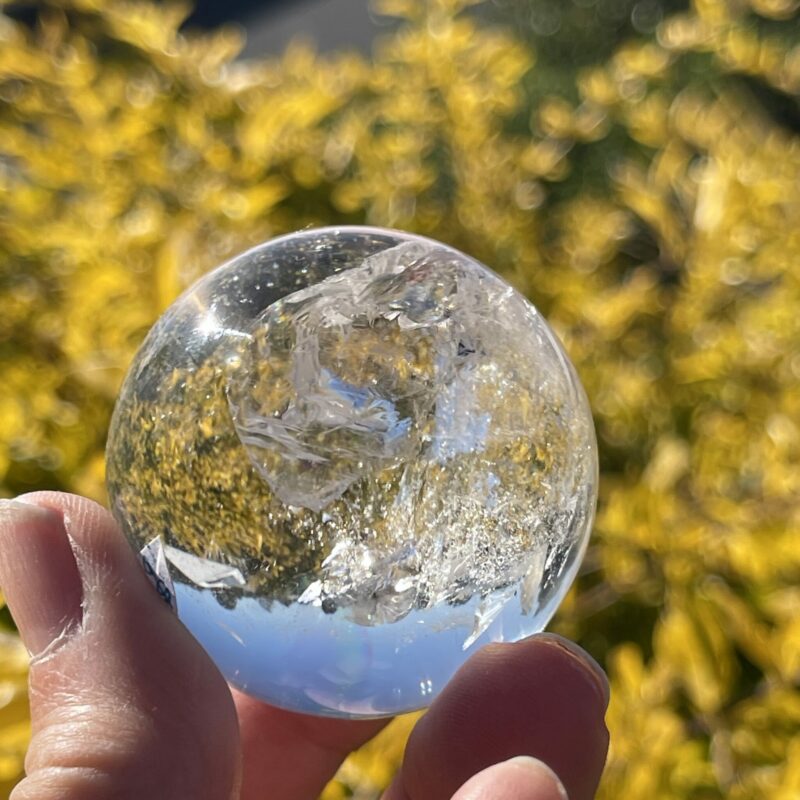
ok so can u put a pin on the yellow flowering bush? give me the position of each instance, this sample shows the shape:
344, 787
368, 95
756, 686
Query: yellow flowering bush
134, 156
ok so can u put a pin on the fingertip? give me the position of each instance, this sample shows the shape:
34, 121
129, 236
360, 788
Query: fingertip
593, 672
38, 573
518, 778
113, 593
535, 697
103, 556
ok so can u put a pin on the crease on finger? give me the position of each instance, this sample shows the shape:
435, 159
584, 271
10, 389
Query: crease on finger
70, 632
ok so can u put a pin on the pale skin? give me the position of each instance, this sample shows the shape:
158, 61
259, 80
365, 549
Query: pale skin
126, 704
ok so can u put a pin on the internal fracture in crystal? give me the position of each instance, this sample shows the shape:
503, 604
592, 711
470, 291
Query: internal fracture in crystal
353, 440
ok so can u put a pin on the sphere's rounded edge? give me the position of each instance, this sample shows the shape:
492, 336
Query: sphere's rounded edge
329, 712
581, 400
310, 232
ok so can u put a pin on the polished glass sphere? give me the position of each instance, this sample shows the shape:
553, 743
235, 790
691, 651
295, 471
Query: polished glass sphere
362, 455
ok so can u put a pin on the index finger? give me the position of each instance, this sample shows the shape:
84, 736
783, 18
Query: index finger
542, 697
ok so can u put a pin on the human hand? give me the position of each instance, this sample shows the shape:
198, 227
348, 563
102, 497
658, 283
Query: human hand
126, 704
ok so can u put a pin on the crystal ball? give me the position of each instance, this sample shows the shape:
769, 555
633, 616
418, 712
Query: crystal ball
363, 455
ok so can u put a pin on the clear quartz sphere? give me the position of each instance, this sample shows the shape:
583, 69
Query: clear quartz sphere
364, 456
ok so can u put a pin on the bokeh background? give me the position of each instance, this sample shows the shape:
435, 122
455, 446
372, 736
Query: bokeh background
632, 165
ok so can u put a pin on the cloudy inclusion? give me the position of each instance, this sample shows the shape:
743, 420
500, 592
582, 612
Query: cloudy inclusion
366, 455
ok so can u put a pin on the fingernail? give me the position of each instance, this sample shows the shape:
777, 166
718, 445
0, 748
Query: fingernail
38, 574
590, 667
533, 764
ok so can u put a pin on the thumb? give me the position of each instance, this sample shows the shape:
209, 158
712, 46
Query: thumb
124, 702
520, 778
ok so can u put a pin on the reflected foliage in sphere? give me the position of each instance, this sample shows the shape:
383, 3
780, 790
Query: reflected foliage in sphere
365, 455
